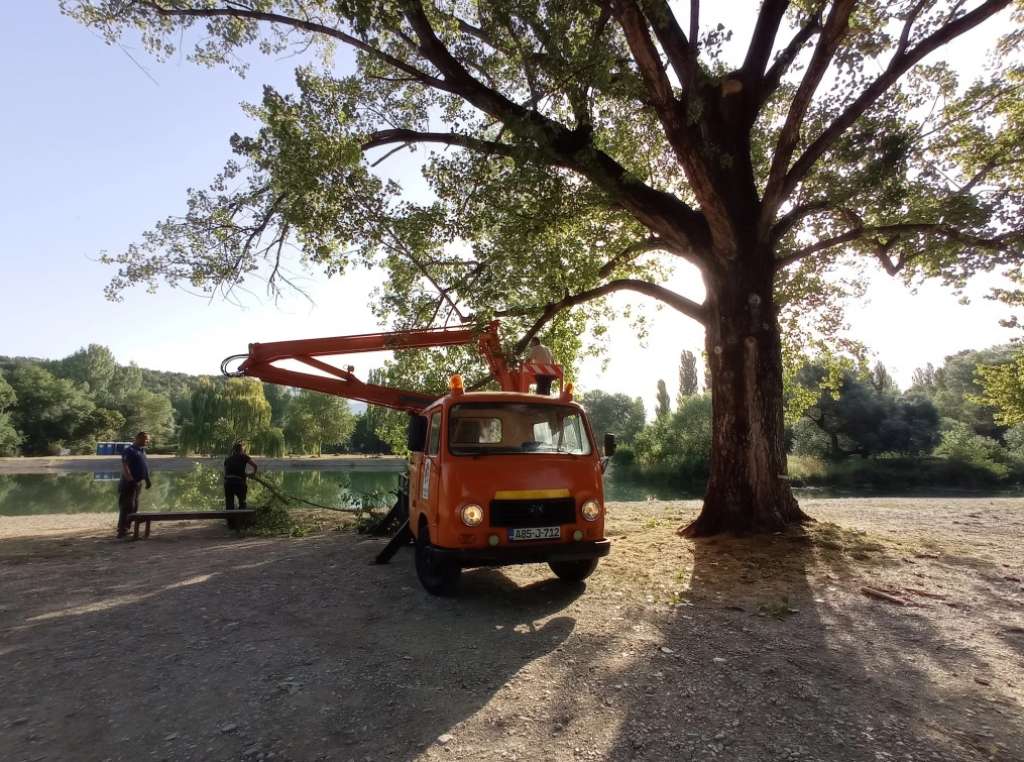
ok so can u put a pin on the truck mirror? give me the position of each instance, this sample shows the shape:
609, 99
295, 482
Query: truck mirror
609, 444
417, 433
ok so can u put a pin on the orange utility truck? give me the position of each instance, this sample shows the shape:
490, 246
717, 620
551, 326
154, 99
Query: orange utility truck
494, 478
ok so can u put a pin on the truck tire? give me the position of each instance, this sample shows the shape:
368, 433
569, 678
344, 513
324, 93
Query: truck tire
573, 571
437, 576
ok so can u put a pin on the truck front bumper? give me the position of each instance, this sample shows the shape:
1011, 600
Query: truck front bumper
528, 553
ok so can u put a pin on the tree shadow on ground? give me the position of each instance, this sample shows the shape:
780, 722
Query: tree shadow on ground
195, 645
767, 650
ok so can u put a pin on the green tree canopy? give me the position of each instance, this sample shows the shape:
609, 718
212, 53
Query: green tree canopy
863, 416
576, 149
664, 402
316, 419
10, 439
279, 397
94, 367
687, 376
1003, 389
52, 412
957, 390
224, 412
617, 414
143, 410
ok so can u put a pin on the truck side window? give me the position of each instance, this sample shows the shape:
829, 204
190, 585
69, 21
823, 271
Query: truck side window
434, 437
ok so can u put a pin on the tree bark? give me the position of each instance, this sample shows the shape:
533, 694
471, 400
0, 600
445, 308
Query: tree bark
748, 489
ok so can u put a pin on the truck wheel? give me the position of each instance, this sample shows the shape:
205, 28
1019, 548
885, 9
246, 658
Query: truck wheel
573, 571
438, 577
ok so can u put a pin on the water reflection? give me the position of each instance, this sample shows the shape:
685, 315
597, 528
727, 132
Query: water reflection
198, 489
201, 489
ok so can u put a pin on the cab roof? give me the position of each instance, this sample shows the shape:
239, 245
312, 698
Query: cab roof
502, 397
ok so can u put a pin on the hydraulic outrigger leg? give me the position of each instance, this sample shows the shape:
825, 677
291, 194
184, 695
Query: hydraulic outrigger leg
402, 538
399, 514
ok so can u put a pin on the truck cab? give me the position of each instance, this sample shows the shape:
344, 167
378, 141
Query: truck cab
498, 478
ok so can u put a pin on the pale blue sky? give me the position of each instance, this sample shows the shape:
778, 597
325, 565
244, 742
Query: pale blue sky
94, 152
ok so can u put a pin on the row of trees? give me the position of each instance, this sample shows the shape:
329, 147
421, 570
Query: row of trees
67, 405
968, 411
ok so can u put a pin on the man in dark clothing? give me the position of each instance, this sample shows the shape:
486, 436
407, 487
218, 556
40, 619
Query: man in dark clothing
235, 476
134, 471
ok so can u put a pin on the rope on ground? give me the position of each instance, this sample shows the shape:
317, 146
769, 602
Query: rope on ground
275, 492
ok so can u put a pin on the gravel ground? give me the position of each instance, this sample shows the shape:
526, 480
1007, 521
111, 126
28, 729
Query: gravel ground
196, 645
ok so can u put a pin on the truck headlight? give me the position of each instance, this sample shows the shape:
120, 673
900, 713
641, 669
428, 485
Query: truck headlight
472, 515
591, 510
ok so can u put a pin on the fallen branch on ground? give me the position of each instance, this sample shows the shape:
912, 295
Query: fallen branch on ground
925, 593
881, 595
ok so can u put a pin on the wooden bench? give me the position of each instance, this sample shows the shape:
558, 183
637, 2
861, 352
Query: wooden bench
138, 518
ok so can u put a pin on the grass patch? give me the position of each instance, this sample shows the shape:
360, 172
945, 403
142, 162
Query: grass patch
900, 475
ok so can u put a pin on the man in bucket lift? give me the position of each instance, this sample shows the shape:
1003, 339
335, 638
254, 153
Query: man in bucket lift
541, 355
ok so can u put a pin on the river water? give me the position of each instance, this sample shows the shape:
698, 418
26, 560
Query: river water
201, 489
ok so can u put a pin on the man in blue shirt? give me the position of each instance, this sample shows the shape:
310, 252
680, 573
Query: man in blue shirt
134, 471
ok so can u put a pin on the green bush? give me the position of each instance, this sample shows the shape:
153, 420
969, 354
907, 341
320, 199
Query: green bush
1014, 441
624, 457
809, 440
960, 444
676, 449
272, 518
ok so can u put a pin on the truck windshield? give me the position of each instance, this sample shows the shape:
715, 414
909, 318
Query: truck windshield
482, 428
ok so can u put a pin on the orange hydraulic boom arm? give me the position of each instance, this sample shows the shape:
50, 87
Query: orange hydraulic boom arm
259, 363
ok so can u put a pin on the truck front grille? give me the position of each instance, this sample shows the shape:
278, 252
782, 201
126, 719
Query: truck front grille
533, 513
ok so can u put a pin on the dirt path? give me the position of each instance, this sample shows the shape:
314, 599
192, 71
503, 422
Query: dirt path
196, 645
77, 463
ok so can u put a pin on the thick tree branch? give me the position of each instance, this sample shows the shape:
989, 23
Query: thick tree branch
648, 61
908, 25
789, 137
387, 137
794, 216
671, 298
652, 243
892, 233
762, 42
671, 113
672, 39
827, 243
898, 66
785, 59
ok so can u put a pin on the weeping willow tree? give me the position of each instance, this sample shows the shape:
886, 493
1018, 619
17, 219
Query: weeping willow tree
221, 413
577, 149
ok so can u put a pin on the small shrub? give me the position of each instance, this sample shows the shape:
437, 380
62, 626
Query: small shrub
960, 444
272, 518
807, 468
624, 456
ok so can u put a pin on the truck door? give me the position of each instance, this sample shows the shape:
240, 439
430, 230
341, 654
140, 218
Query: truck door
431, 472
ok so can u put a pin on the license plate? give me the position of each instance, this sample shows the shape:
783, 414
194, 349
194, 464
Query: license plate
535, 533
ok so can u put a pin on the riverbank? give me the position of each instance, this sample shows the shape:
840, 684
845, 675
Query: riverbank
100, 463
753, 650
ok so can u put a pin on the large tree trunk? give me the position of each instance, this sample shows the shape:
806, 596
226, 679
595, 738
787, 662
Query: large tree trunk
748, 490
